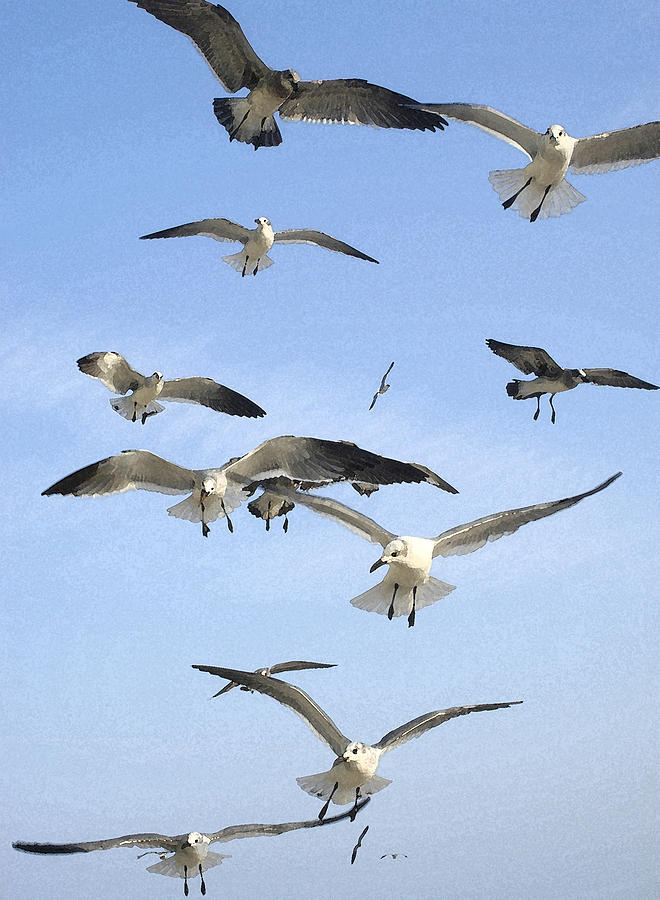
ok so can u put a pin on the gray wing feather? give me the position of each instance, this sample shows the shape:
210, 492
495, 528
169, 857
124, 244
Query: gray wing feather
166, 841
617, 378
209, 393
294, 665
218, 229
235, 832
467, 538
130, 470
616, 149
491, 120
344, 515
218, 37
288, 695
319, 239
418, 726
112, 370
527, 359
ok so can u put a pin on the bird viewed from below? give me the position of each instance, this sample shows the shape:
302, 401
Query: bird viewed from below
552, 378
214, 493
384, 386
353, 773
358, 844
408, 586
220, 40
540, 190
275, 670
257, 241
181, 855
394, 855
118, 376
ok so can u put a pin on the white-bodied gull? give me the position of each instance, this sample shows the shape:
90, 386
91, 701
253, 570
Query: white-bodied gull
384, 386
293, 666
552, 378
408, 585
118, 376
214, 493
540, 190
220, 40
257, 241
181, 855
353, 773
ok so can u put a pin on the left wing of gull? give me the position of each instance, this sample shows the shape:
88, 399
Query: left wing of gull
129, 470
418, 726
467, 538
319, 239
166, 841
209, 393
293, 666
218, 229
235, 832
616, 378
616, 149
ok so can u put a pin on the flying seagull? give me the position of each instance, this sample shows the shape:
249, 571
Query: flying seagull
118, 376
214, 493
353, 773
358, 844
394, 855
384, 386
551, 378
257, 241
220, 40
540, 190
181, 855
276, 669
408, 586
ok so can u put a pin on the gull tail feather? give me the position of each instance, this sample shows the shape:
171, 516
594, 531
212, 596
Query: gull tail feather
322, 785
378, 598
560, 199
237, 262
170, 867
125, 407
243, 124
191, 510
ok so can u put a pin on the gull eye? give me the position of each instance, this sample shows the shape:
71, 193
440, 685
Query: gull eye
394, 553
355, 750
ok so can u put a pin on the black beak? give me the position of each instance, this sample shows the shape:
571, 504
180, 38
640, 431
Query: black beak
377, 565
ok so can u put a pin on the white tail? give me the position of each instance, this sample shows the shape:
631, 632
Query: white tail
174, 869
379, 598
322, 785
237, 261
127, 408
191, 510
560, 199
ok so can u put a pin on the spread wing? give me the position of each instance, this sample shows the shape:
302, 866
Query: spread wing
344, 515
616, 378
218, 37
418, 726
293, 666
112, 370
322, 462
235, 832
130, 470
209, 393
218, 229
491, 120
289, 695
526, 359
354, 101
165, 841
307, 236
467, 538
616, 149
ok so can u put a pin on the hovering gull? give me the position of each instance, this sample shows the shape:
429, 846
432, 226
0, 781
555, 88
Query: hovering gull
274, 670
540, 190
257, 241
220, 40
408, 586
383, 386
353, 773
214, 493
358, 844
395, 855
181, 855
551, 378
118, 376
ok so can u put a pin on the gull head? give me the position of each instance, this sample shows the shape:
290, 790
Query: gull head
195, 838
556, 135
263, 221
395, 553
213, 485
582, 375
291, 76
355, 752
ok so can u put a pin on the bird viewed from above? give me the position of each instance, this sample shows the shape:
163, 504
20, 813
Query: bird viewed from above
181, 855
293, 666
353, 773
214, 493
257, 241
552, 378
220, 39
540, 190
384, 386
118, 376
408, 586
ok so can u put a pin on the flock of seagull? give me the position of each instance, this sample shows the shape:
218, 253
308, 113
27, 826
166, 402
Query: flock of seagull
286, 470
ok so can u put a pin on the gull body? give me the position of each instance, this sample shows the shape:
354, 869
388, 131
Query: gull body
353, 773
384, 386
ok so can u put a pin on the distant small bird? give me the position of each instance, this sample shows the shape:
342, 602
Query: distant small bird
353, 773
540, 190
358, 845
257, 241
117, 375
276, 669
181, 855
395, 855
220, 39
383, 386
551, 378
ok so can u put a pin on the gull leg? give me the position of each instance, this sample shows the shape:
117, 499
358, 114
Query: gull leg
235, 131
134, 412
229, 523
325, 806
268, 517
247, 259
185, 881
538, 407
507, 203
354, 811
205, 527
285, 526
145, 416
536, 212
411, 617
256, 268
390, 611
202, 886
552, 418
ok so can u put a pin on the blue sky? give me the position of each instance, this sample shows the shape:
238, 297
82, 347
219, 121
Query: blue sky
110, 135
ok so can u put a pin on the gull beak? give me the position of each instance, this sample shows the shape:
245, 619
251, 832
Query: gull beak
377, 565
203, 494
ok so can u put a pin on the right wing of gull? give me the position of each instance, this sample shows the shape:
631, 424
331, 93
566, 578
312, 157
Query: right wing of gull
112, 370
129, 470
492, 121
527, 360
292, 666
209, 393
355, 521
236, 832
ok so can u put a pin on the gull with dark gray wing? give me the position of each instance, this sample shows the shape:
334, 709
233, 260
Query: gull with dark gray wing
220, 39
551, 378
257, 241
353, 773
293, 666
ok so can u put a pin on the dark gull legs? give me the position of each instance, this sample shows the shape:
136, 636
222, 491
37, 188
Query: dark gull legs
229, 522
411, 617
390, 611
202, 886
538, 407
354, 811
507, 203
553, 409
536, 212
325, 806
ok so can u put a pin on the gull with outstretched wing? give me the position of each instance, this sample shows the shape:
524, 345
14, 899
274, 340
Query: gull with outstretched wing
293, 666
384, 386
